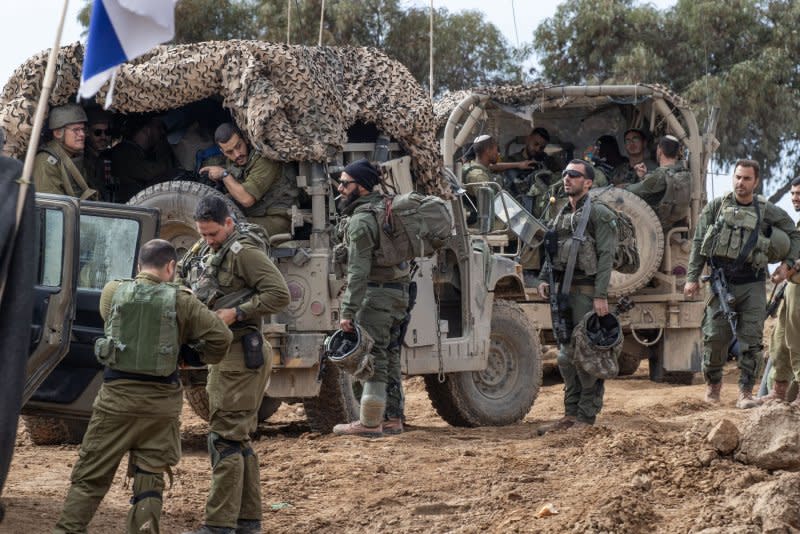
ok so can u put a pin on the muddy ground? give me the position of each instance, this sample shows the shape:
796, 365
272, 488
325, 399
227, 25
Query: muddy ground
643, 468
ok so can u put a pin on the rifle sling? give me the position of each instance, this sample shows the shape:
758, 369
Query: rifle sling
577, 239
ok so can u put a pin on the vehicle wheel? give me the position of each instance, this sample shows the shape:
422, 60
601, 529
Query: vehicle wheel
628, 363
649, 240
504, 392
177, 201
197, 397
54, 430
336, 402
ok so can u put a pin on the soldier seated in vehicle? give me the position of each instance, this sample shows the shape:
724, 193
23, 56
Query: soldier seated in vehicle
258, 185
480, 157
607, 161
636, 148
96, 156
58, 167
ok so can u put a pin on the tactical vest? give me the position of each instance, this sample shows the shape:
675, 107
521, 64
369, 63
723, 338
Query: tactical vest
731, 231
674, 205
141, 336
565, 225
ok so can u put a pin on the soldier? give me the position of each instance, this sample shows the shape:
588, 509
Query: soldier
58, 167
530, 184
666, 189
257, 184
96, 157
784, 350
138, 406
223, 263
731, 235
588, 291
635, 146
376, 298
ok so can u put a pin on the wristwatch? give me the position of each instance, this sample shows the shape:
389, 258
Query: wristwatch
239, 314
224, 174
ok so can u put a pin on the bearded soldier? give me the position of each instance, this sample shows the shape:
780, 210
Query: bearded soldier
137, 408
376, 298
731, 237
226, 262
586, 233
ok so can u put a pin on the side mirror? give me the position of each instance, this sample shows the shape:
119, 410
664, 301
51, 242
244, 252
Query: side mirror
485, 209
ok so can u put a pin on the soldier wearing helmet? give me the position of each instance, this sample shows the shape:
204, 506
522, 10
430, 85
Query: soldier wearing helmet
58, 167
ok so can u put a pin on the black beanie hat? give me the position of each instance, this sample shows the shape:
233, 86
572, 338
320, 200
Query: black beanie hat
364, 174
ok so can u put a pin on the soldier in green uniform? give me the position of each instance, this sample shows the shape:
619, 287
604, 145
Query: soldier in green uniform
96, 156
784, 348
226, 262
58, 167
135, 161
147, 320
531, 183
635, 147
668, 188
258, 185
732, 235
594, 258
376, 298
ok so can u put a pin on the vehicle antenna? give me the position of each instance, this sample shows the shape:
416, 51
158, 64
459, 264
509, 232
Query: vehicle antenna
321, 20
430, 58
288, 21
516, 35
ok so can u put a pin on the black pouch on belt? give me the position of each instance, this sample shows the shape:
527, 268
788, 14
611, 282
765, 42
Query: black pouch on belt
253, 344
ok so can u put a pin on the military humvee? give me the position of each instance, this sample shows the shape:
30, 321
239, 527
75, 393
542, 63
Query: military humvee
315, 109
663, 326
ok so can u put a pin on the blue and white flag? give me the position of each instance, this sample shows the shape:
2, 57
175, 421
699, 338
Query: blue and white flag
119, 31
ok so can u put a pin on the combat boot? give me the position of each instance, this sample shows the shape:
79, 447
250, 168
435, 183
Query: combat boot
778, 393
712, 393
248, 526
357, 429
745, 400
562, 424
393, 426
205, 529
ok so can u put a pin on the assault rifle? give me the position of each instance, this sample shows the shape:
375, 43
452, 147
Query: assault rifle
719, 287
776, 298
560, 312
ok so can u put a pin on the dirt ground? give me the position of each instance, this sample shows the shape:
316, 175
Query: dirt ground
643, 467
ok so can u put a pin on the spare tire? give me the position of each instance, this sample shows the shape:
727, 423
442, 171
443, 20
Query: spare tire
177, 201
649, 240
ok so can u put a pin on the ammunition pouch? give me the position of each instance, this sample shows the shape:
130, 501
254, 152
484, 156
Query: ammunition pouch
253, 345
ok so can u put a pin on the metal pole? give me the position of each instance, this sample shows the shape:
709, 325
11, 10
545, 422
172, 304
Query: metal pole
430, 58
321, 20
288, 21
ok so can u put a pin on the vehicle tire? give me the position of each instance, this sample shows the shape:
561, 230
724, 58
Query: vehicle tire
197, 397
649, 240
504, 392
336, 402
177, 201
628, 363
55, 430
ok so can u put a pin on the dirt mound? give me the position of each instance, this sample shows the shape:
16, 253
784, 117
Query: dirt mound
770, 438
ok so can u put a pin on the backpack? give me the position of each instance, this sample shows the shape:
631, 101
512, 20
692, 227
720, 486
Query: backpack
626, 256
411, 225
674, 205
256, 234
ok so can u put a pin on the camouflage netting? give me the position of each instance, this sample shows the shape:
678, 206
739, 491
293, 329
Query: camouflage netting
294, 102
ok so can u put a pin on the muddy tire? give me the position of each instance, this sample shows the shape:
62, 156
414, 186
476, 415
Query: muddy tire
197, 397
649, 240
336, 402
54, 430
504, 392
177, 201
628, 363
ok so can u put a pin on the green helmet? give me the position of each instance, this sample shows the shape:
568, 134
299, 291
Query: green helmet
779, 245
598, 344
67, 114
351, 352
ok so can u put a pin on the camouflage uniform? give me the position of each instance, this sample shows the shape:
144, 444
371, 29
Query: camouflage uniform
135, 169
234, 390
138, 414
55, 172
745, 281
654, 186
625, 174
583, 393
274, 191
376, 298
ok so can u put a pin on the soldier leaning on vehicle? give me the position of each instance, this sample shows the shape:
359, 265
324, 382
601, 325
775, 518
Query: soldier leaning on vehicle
732, 236
147, 320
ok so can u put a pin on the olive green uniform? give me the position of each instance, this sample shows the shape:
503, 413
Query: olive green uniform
135, 169
625, 174
722, 232
94, 163
583, 393
274, 191
654, 187
376, 298
235, 391
474, 173
138, 415
784, 350
58, 173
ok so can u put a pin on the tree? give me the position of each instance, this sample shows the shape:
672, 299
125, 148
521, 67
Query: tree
740, 56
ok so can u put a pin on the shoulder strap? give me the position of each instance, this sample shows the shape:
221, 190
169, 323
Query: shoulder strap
752, 239
577, 239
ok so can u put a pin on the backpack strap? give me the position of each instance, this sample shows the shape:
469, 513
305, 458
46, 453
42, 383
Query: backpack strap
577, 239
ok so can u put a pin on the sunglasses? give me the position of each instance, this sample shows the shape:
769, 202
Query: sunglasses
345, 183
572, 173
99, 131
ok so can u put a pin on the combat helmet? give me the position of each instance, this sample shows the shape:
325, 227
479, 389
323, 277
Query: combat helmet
779, 245
598, 343
352, 352
67, 114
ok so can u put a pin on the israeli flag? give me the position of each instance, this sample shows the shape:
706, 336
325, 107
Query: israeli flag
119, 31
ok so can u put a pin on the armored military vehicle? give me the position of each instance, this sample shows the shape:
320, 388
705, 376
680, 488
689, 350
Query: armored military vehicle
663, 326
315, 109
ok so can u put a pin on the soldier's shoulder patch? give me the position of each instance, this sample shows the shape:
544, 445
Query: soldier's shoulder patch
51, 159
236, 247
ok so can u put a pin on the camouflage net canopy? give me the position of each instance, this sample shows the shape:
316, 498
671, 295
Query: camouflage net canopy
295, 103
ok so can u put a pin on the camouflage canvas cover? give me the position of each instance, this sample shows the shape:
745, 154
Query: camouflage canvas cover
295, 103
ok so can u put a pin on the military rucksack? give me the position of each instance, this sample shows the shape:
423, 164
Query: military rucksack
674, 205
411, 225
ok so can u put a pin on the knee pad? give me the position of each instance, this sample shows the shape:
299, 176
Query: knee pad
220, 448
146, 485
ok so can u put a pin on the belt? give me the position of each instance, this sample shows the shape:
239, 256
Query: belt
109, 375
388, 285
